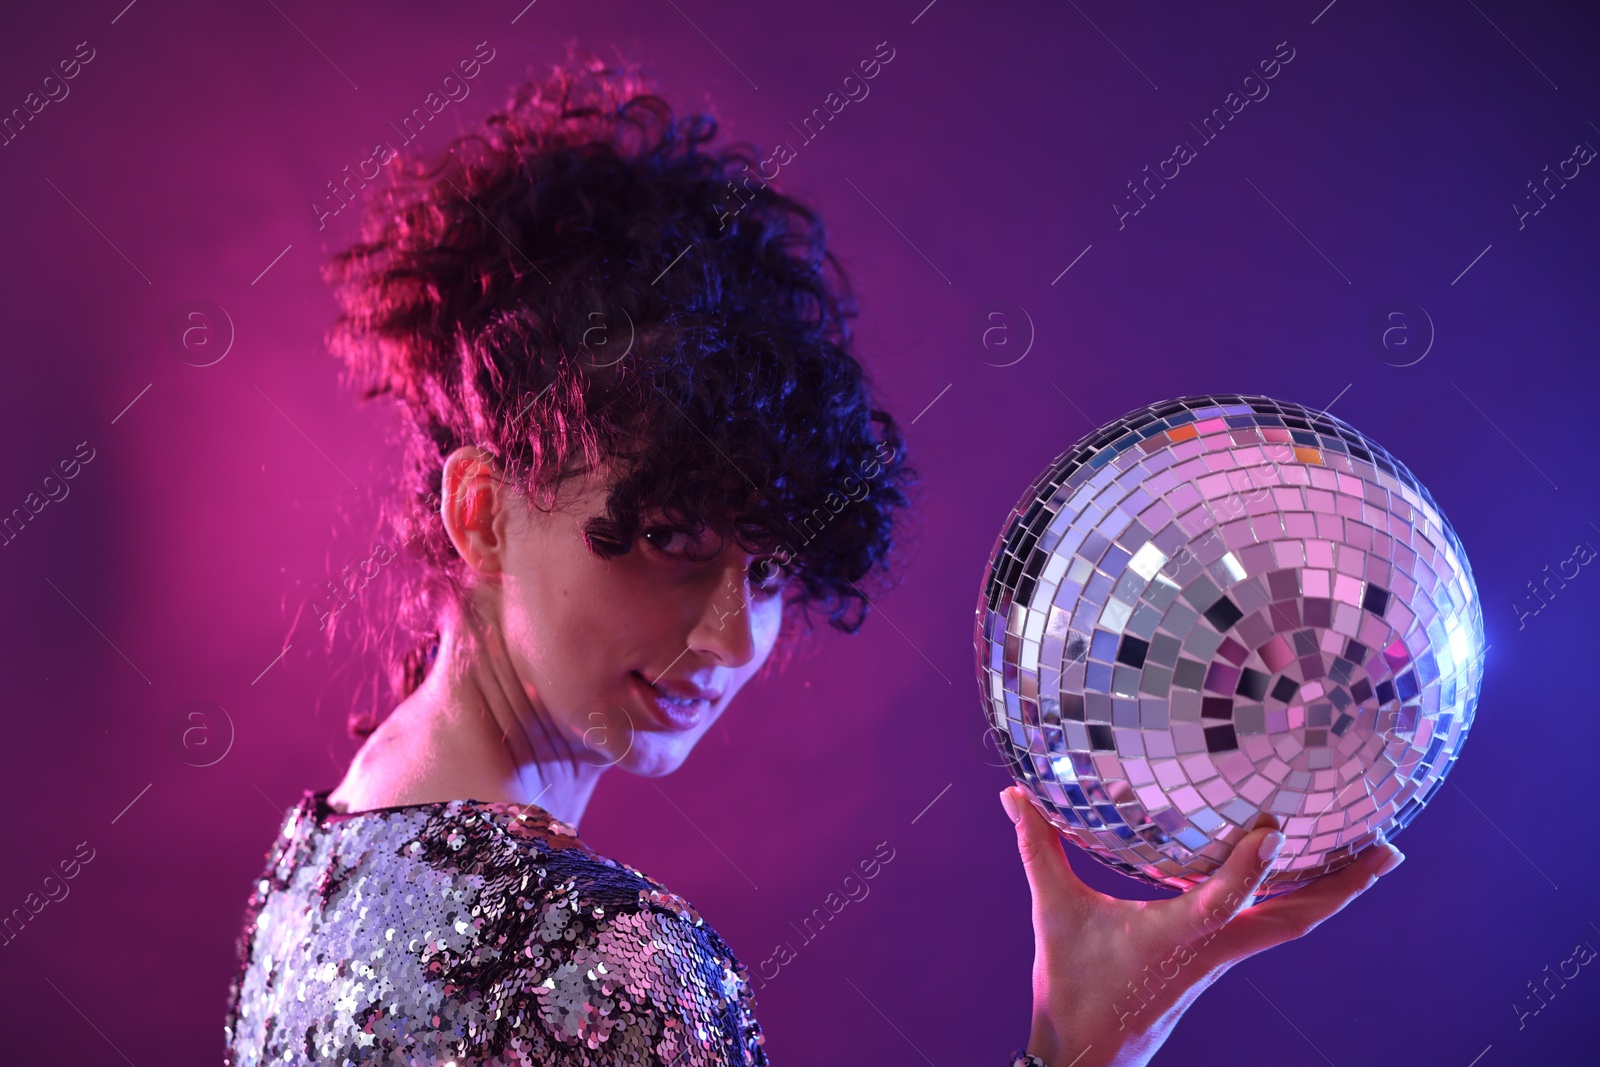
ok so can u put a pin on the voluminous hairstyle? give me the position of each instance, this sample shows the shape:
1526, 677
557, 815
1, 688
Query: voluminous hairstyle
589, 276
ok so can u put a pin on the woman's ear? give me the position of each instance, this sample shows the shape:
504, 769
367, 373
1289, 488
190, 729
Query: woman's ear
473, 506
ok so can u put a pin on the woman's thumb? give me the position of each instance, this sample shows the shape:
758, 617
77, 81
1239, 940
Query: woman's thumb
1043, 858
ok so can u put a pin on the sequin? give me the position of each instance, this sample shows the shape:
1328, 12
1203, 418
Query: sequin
476, 933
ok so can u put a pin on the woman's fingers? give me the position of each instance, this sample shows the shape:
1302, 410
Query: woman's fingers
1050, 876
1228, 889
1299, 911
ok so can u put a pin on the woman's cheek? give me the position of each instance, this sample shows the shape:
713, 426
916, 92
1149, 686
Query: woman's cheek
770, 618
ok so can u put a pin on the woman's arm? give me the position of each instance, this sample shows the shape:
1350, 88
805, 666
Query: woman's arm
1112, 977
624, 984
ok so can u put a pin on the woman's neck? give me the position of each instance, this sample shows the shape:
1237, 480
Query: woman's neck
464, 735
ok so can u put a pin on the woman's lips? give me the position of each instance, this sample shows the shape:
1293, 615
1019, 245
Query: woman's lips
673, 713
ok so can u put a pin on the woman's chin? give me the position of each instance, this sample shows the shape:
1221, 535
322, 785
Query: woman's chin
653, 755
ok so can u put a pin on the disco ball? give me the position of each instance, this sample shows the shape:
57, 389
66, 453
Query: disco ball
1221, 607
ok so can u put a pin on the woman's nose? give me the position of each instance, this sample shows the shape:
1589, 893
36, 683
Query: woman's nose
724, 628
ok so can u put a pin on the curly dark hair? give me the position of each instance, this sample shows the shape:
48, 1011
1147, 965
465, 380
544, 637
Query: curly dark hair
492, 287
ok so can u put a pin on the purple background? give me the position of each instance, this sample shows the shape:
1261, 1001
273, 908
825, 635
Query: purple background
985, 160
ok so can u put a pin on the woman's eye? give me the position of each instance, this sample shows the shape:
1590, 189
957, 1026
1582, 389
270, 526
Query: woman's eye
768, 576
696, 547
662, 538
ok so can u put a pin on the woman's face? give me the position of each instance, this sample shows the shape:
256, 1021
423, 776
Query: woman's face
589, 635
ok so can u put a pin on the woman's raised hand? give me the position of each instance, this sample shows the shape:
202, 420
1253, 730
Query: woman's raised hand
1112, 977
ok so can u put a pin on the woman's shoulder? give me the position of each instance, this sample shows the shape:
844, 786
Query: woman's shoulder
496, 911
522, 849
508, 857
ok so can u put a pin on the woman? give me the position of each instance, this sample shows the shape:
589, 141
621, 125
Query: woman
639, 451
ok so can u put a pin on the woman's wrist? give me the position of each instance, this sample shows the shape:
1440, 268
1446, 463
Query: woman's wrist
1113, 1052
1085, 1029
1085, 1038
1056, 1045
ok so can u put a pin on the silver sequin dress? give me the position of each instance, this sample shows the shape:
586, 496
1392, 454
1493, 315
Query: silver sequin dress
479, 934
